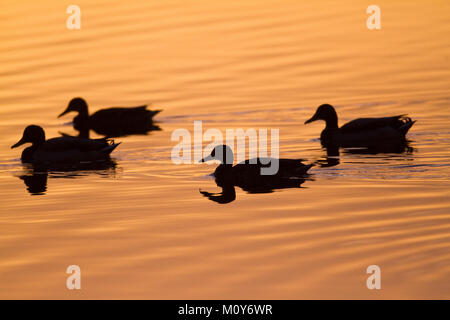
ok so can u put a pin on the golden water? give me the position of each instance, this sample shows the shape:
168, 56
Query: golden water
143, 230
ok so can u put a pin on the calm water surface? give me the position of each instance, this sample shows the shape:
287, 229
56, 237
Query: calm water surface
142, 229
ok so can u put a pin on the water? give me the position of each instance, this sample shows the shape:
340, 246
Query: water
142, 229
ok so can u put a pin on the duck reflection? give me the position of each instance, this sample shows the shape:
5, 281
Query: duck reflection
333, 153
331, 159
404, 148
227, 195
35, 177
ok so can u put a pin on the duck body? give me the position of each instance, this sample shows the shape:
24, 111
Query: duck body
248, 175
62, 150
116, 121
362, 132
249, 171
70, 150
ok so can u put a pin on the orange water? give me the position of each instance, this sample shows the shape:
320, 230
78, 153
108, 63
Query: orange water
143, 230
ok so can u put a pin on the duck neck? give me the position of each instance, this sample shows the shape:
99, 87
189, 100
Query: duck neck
332, 122
83, 113
37, 142
27, 154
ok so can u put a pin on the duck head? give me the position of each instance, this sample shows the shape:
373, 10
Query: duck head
32, 134
326, 113
223, 153
76, 105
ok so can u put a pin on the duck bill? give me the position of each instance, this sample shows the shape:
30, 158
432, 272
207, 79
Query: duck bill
208, 158
65, 112
18, 144
313, 118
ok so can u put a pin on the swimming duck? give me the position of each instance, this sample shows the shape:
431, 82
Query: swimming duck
248, 175
112, 122
252, 170
362, 132
63, 149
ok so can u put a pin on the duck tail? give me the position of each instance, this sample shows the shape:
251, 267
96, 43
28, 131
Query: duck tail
152, 113
408, 123
107, 150
304, 168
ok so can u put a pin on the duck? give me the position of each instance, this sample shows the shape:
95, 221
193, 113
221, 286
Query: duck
254, 171
248, 175
362, 132
62, 150
111, 122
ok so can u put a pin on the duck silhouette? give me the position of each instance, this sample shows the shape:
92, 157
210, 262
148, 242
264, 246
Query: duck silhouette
362, 132
111, 122
248, 175
62, 150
